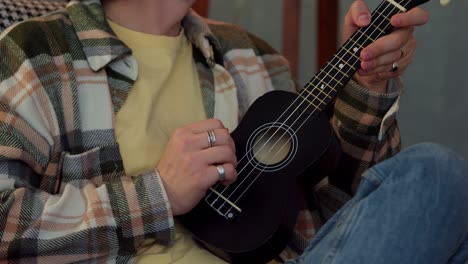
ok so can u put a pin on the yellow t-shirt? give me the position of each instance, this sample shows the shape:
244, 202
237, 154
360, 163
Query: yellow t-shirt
165, 96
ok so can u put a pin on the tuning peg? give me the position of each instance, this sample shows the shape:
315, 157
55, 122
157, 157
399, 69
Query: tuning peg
444, 2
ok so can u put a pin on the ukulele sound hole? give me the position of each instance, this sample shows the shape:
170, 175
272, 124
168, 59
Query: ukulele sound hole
272, 147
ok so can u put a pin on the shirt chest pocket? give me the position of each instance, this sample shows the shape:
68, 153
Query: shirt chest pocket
97, 165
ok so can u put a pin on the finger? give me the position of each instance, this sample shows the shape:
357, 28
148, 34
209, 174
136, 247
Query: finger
384, 72
205, 125
218, 155
381, 69
231, 174
414, 17
387, 44
212, 175
360, 13
222, 137
383, 63
388, 58
357, 16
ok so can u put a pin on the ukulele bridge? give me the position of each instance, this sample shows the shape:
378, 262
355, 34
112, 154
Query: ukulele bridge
222, 205
270, 148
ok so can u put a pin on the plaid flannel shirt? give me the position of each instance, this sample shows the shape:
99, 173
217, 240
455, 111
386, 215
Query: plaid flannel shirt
64, 196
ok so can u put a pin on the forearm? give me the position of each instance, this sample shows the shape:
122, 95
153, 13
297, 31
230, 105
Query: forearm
100, 217
367, 128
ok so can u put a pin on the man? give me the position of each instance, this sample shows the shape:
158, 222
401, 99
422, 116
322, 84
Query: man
107, 132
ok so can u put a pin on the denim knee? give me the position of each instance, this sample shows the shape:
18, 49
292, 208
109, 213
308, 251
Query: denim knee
435, 158
427, 167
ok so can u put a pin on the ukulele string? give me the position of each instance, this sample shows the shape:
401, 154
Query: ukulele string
240, 196
282, 136
303, 101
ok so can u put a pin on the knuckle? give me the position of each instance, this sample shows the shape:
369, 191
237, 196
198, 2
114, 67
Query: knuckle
217, 122
179, 132
184, 142
188, 159
197, 181
222, 134
227, 151
231, 171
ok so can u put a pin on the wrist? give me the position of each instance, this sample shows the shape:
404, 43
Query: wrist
374, 86
168, 194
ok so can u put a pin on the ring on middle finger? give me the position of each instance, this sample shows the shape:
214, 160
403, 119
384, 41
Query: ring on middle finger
211, 138
221, 172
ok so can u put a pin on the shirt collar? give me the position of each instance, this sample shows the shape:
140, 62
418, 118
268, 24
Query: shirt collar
101, 46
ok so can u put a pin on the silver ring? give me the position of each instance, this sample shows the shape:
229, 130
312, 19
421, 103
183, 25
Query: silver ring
211, 138
402, 52
221, 173
395, 67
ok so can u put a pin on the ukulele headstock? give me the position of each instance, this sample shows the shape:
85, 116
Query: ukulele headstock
413, 3
444, 2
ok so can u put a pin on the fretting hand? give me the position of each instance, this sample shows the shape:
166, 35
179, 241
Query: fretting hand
389, 56
194, 160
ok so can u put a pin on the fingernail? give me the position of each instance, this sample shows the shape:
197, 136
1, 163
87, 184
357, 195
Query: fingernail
364, 19
396, 21
363, 66
367, 65
366, 55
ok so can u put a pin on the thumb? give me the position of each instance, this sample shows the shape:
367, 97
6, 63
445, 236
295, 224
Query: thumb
358, 16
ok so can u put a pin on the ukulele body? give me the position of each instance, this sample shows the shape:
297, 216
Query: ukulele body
271, 203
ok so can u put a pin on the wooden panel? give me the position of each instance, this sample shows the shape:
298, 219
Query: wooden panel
327, 30
291, 29
202, 7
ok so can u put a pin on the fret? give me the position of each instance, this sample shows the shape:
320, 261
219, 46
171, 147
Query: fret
321, 91
323, 84
337, 68
384, 16
360, 47
352, 40
376, 27
315, 96
332, 77
365, 35
344, 61
311, 103
349, 52
326, 83
318, 89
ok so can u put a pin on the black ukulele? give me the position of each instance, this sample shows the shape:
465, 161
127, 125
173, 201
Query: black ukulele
281, 136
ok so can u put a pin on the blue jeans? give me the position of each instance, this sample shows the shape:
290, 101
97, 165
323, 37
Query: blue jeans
412, 208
